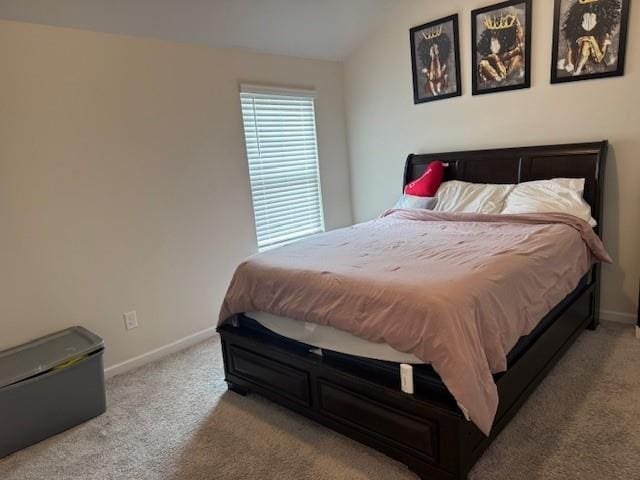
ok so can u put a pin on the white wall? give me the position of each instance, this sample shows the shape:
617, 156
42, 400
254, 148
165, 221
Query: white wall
123, 180
384, 125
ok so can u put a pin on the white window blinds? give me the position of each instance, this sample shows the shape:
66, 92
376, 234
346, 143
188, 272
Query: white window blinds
280, 136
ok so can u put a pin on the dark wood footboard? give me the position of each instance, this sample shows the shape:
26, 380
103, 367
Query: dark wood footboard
422, 434
429, 435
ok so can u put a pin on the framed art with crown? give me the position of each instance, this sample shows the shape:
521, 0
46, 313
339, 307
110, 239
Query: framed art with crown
589, 39
435, 60
501, 47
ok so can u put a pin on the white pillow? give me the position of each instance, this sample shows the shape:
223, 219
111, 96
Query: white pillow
457, 196
563, 195
411, 201
575, 184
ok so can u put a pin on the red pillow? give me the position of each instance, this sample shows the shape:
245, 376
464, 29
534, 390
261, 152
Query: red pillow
427, 185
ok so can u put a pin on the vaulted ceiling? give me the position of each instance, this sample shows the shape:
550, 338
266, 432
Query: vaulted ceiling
327, 29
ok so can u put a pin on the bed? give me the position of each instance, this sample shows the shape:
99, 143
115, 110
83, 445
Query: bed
360, 397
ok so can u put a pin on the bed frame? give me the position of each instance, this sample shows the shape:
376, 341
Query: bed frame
361, 398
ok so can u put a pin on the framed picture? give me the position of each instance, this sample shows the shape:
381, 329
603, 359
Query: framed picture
589, 39
435, 60
501, 48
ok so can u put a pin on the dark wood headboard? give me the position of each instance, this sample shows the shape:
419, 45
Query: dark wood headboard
523, 164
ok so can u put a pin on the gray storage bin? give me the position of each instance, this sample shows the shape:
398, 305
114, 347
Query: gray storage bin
49, 385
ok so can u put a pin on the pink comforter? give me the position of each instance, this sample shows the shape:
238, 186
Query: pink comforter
456, 290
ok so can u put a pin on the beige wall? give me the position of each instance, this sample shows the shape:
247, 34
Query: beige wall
123, 180
384, 125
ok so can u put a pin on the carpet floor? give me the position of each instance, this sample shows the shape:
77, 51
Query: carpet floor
174, 420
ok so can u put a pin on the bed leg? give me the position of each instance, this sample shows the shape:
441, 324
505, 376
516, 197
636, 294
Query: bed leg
237, 389
595, 321
421, 476
429, 476
595, 299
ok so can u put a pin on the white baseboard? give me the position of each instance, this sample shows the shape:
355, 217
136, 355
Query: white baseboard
619, 317
158, 353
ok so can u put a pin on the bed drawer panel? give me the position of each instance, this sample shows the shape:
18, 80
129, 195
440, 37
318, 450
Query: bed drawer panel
402, 430
277, 377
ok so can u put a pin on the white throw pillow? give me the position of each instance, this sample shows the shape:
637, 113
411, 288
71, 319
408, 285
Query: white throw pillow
411, 201
458, 196
562, 195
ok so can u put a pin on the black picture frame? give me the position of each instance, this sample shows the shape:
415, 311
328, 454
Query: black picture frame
477, 79
620, 48
421, 90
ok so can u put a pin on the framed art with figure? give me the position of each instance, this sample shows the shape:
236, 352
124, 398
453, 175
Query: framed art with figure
435, 60
589, 39
501, 49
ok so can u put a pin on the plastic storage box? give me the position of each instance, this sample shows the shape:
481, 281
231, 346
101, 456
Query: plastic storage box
49, 385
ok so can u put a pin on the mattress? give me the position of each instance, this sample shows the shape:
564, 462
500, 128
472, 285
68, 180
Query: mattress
332, 340
329, 338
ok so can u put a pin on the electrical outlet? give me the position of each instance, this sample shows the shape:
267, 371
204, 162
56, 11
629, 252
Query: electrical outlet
130, 320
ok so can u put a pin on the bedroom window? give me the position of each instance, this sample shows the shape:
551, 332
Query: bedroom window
280, 136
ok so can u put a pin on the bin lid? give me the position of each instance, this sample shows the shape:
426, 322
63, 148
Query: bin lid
46, 353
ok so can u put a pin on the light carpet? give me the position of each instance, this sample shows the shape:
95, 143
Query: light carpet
175, 420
